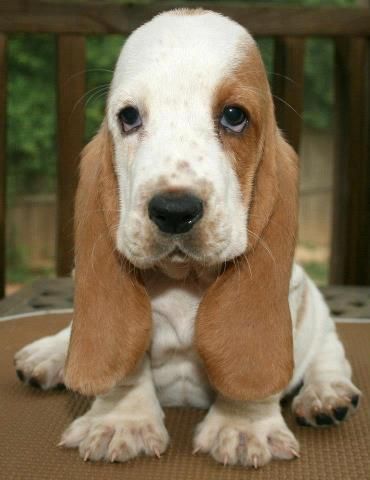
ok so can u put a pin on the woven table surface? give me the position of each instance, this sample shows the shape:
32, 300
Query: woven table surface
31, 423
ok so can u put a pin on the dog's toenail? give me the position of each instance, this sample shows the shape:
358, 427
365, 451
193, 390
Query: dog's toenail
340, 413
355, 400
20, 375
323, 419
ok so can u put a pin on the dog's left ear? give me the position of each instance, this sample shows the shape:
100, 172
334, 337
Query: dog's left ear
112, 317
243, 329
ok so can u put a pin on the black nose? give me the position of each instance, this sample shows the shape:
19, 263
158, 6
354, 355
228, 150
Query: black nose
174, 213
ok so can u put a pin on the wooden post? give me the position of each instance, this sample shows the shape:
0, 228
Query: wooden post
350, 257
3, 91
71, 129
106, 17
288, 86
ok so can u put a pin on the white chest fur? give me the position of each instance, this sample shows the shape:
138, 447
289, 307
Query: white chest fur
177, 371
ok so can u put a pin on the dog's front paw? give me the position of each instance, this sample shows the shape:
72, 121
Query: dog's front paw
322, 404
244, 442
112, 437
40, 364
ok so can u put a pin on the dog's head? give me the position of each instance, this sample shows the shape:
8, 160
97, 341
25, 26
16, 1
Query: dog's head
188, 167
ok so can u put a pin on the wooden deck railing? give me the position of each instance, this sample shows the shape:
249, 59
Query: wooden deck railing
289, 26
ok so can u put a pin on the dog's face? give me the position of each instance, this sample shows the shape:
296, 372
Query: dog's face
186, 111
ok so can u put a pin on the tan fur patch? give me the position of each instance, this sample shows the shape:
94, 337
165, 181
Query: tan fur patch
101, 335
246, 87
243, 329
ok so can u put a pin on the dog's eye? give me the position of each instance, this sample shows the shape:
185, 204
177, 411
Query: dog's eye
129, 118
234, 119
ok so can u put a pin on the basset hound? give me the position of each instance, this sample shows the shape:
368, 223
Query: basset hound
186, 291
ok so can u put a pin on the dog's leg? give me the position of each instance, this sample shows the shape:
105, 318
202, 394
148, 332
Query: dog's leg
122, 424
246, 433
41, 363
328, 395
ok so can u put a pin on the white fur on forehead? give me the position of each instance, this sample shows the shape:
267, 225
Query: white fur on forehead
206, 40
170, 69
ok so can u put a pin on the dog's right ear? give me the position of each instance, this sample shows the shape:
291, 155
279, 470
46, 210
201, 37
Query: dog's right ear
112, 315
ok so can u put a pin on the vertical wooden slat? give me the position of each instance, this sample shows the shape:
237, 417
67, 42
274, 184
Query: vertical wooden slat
71, 128
288, 86
350, 257
3, 76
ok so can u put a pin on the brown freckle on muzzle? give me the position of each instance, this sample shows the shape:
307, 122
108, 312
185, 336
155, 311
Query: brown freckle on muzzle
183, 165
162, 183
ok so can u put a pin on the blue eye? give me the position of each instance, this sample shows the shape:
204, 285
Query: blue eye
129, 118
234, 119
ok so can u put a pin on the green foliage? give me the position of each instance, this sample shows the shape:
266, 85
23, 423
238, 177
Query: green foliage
102, 53
31, 114
318, 83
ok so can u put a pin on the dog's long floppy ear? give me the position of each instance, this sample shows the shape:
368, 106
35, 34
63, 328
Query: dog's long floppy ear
112, 318
243, 329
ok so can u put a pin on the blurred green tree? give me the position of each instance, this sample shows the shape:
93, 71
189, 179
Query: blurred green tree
31, 114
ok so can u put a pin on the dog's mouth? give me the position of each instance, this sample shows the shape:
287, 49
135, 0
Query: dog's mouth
176, 264
178, 256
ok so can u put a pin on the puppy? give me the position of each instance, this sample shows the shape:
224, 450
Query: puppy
186, 290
